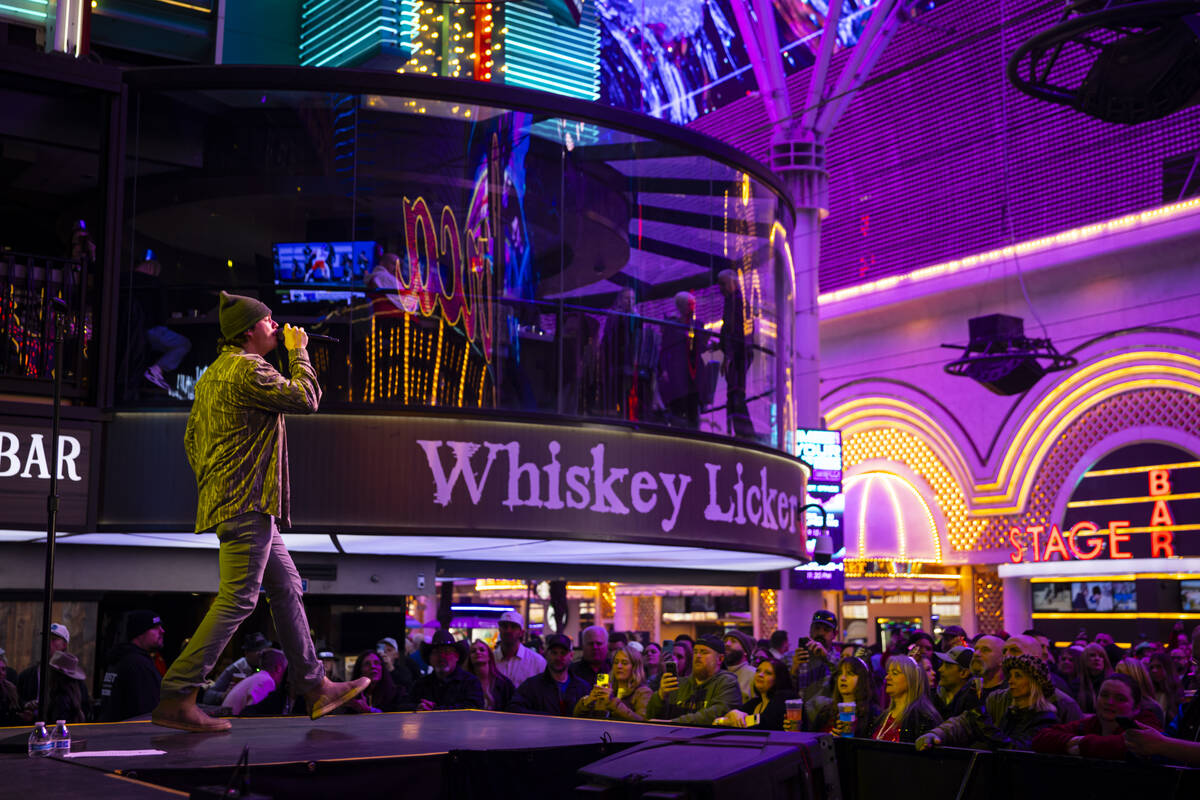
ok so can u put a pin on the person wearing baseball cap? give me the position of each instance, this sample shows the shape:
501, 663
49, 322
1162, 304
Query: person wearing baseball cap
813, 661
236, 443
556, 691
253, 646
514, 660
954, 694
131, 682
708, 693
29, 680
1014, 716
953, 636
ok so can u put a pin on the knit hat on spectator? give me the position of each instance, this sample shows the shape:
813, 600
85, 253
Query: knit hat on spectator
239, 314
741, 638
60, 630
714, 643
1035, 668
140, 621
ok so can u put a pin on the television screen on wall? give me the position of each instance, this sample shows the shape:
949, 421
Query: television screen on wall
1189, 595
1051, 596
1103, 596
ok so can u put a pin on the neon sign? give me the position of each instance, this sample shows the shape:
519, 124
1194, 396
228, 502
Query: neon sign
1122, 512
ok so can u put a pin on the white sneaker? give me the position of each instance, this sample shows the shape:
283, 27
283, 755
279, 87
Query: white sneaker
155, 376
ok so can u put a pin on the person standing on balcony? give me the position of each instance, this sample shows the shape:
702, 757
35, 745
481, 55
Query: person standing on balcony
237, 445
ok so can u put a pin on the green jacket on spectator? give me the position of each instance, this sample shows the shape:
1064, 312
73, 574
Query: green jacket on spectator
698, 704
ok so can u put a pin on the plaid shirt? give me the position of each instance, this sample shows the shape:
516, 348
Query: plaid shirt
236, 441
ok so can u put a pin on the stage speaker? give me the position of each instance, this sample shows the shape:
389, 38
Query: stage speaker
722, 765
1009, 367
1142, 77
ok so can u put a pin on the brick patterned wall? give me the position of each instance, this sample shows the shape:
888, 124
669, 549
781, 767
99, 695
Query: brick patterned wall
939, 156
989, 600
1164, 408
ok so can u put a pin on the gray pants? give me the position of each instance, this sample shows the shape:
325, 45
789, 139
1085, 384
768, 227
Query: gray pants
252, 555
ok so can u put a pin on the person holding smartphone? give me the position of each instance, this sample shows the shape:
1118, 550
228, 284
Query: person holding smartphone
814, 657
1101, 735
709, 692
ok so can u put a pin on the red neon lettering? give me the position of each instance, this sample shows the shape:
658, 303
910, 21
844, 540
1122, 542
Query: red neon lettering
1084, 529
1018, 553
1056, 545
1036, 532
1114, 539
1161, 515
1162, 544
1160, 482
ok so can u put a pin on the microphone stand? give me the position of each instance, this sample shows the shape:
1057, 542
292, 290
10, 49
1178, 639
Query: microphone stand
58, 309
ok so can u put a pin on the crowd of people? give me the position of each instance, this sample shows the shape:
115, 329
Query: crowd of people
1092, 698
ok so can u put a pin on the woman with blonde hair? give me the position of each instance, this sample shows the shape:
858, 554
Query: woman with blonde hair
1134, 668
626, 697
910, 712
1095, 667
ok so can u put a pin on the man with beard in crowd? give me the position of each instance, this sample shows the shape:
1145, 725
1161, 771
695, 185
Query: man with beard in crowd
738, 647
709, 692
449, 685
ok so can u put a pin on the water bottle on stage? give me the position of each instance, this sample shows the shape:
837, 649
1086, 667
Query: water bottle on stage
60, 740
39, 741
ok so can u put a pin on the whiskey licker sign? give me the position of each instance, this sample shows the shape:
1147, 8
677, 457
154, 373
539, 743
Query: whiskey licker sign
436, 475
442, 476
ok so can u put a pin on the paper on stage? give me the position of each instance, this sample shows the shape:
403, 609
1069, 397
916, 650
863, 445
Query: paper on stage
115, 753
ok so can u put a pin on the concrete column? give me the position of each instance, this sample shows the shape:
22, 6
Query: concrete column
966, 590
796, 607
626, 617
1018, 607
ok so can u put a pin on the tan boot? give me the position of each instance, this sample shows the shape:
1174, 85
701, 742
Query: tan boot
330, 696
181, 713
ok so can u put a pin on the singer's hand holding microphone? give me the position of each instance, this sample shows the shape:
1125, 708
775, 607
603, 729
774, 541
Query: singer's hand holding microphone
293, 336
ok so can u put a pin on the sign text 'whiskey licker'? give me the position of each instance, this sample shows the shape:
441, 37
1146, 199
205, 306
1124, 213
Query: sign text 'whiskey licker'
730, 496
1142, 501
434, 474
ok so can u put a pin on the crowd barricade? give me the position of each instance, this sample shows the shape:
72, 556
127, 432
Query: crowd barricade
871, 770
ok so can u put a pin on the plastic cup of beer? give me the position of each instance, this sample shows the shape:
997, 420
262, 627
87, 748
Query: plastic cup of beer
846, 714
794, 710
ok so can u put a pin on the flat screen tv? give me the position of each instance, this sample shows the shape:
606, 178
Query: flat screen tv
308, 272
1103, 596
1189, 595
1054, 596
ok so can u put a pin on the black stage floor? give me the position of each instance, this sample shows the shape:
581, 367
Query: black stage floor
457, 754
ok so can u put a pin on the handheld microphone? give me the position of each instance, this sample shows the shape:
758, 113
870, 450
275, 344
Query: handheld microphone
317, 337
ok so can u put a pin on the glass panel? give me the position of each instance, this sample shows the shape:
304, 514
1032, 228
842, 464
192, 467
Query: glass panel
462, 256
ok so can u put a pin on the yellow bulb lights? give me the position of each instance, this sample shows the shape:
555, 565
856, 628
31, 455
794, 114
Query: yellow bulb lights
887, 429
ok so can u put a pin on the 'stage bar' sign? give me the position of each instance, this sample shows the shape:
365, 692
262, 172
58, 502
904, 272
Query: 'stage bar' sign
1142, 501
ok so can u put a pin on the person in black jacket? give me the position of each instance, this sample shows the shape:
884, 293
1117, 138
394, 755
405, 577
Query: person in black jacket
556, 691
132, 681
766, 708
449, 685
955, 695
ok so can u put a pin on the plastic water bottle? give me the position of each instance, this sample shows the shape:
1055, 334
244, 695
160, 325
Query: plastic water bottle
61, 738
39, 741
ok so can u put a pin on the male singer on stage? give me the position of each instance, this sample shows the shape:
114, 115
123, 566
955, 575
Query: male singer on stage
237, 446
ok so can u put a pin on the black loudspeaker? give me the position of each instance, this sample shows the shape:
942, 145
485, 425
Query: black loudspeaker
999, 357
723, 765
1143, 77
